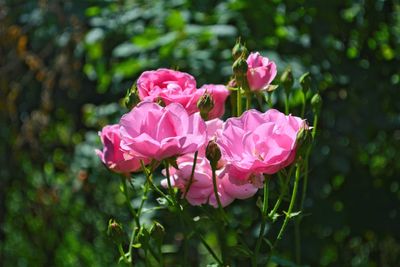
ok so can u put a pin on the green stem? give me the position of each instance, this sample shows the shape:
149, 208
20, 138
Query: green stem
127, 200
152, 185
286, 103
303, 195
239, 101
207, 246
170, 189
248, 100
303, 106
314, 130
288, 213
282, 194
135, 217
263, 221
222, 214
191, 175
121, 251
233, 100
214, 177
291, 205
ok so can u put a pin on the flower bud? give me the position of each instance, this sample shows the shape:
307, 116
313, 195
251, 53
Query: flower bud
287, 79
238, 50
316, 103
240, 66
303, 140
240, 71
305, 82
115, 232
205, 105
213, 153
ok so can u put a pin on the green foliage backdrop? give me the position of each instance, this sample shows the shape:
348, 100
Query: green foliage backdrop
65, 66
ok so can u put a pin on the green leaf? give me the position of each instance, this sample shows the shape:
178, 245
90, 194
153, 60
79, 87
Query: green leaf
93, 11
175, 20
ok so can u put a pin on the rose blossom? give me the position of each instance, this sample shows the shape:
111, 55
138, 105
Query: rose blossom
112, 156
156, 132
259, 143
170, 86
219, 94
201, 190
261, 71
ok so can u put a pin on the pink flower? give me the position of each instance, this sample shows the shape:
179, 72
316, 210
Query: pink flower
258, 143
112, 156
170, 86
219, 94
156, 132
201, 190
261, 71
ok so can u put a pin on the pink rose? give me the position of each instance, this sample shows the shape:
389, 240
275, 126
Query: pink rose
259, 143
219, 94
201, 190
156, 132
170, 86
112, 155
261, 71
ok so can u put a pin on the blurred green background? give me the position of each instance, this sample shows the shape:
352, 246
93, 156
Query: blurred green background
65, 66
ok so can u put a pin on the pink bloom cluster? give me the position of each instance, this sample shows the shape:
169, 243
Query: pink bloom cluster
252, 145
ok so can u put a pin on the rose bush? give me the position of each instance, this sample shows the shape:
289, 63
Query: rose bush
208, 161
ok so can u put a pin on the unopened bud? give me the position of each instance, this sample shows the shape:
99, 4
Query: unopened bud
240, 66
305, 82
205, 105
115, 232
239, 69
287, 79
303, 140
213, 153
316, 103
238, 50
